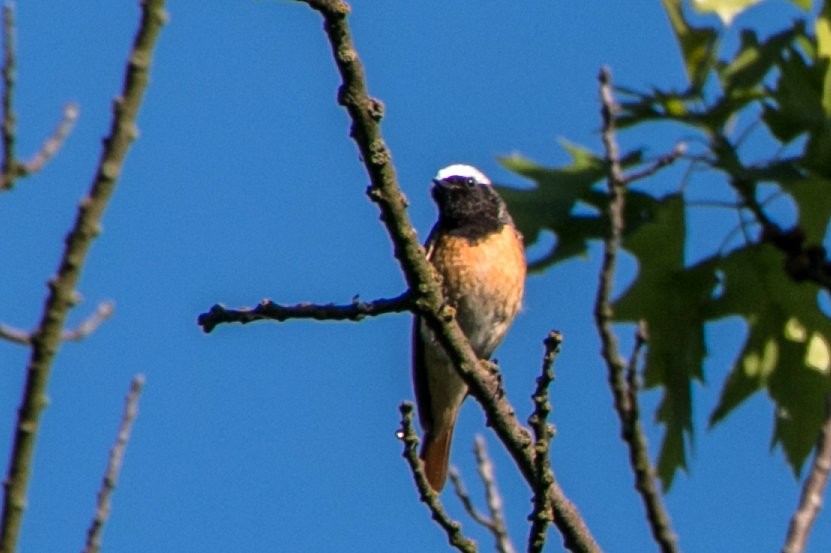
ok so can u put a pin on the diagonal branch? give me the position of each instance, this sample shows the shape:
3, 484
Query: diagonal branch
62, 296
268, 310
810, 500
625, 397
102, 509
455, 536
365, 113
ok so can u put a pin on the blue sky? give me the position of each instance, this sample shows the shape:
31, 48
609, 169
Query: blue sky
244, 185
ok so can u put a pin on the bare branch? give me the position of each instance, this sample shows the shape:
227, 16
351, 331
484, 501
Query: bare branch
495, 521
15, 335
24, 337
429, 302
543, 432
108, 483
493, 498
430, 498
90, 324
810, 501
625, 397
8, 169
663, 161
461, 492
47, 337
268, 310
53, 143
11, 167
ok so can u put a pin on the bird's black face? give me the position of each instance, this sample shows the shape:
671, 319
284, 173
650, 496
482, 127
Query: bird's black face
468, 207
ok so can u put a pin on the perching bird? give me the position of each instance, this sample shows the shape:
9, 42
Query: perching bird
478, 252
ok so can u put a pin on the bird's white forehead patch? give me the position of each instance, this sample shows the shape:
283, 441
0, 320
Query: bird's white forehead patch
461, 170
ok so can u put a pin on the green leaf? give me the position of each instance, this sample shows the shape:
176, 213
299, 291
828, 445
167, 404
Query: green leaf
798, 99
754, 61
823, 34
812, 195
725, 9
559, 191
673, 300
698, 44
785, 354
804, 4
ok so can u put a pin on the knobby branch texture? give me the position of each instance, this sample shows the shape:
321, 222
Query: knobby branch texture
62, 296
366, 113
625, 399
102, 508
268, 310
543, 432
455, 536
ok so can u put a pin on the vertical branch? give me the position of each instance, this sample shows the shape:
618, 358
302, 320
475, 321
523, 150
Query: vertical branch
810, 501
8, 168
543, 432
625, 398
62, 295
102, 510
492, 497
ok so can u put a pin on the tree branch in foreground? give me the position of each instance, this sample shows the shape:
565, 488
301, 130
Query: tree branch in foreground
430, 498
810, 500
47, 337
625, 399
108, 483
365, 113
268, 310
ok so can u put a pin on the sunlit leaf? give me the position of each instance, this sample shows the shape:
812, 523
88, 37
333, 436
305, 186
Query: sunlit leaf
725, 9
697, 43
786, 350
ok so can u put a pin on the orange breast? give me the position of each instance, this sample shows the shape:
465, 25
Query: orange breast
484, 280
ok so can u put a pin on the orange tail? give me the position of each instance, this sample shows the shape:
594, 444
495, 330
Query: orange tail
435, 452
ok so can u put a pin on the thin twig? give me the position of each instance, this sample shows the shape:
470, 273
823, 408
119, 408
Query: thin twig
62, 295
365, 113
543, 432
624, 395
810, 500
24, 337
663, 161
430, 498
108, 483
53, 143
495, 521
461, 492
493, 498
268, 310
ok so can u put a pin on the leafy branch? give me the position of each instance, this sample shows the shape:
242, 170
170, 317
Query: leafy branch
623, 389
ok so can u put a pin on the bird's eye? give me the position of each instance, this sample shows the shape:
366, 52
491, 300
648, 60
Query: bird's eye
470, 182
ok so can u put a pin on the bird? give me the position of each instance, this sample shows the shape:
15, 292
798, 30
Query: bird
478, 253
